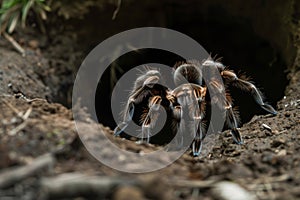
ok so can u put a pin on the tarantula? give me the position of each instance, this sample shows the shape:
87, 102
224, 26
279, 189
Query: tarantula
188, 106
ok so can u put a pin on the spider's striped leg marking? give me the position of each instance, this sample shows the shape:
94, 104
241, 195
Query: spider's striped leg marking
198, 135
183, 95
223, 100
198, 114
151, 118
232, 123
191, 96
178, 126
249, 87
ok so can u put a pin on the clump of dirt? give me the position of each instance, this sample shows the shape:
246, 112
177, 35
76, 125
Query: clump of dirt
27, 81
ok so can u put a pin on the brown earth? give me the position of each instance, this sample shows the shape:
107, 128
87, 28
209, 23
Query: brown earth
267, 165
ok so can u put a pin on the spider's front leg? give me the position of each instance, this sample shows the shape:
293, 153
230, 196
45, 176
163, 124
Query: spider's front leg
198, 109
177, 124
151, 118
231, 77
137, 96
129, 110
191, 97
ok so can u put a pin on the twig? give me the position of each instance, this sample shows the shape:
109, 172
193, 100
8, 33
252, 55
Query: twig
27, 113
193, 184
6, 95
23, 124
231, 191
73, 184
117, 10
15, 110
17, 129
280, 178
15, 44
35, 99
271, 180
12, 176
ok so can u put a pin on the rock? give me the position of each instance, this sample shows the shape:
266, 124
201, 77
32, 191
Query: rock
33, 44
282, 152
128, 192
226, 190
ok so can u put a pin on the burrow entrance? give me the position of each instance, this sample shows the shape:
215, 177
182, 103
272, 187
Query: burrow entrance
240, 33
234, 39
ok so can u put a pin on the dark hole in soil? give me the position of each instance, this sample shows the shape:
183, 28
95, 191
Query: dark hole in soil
220, 34
230, 37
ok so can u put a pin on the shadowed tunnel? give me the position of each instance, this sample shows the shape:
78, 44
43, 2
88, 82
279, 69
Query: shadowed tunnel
221, 33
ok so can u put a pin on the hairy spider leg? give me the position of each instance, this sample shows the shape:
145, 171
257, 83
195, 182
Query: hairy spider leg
224, 103
177, 123
127, 118
232, 122
135, 98
151, 117
231, 77
178, 126
198, 114
191, 96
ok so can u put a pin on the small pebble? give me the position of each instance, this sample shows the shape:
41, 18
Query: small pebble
33, 44
231, 191
266, 127
128, 192
282, 152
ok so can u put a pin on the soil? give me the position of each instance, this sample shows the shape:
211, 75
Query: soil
32, 124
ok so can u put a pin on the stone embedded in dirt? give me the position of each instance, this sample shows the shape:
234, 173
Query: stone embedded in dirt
275, 132
282, 152
128, 192
287, 114
267, 127
226, 190
33, 44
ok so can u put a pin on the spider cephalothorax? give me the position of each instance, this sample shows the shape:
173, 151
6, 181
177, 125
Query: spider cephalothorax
199, 86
